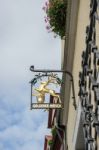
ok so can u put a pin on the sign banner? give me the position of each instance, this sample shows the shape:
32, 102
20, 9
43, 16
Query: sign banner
46, 106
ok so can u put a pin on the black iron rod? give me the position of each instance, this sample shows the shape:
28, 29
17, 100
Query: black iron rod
73, 90
48, 70
31, 97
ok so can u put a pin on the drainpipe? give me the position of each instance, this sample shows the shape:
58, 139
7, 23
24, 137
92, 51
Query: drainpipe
64, 147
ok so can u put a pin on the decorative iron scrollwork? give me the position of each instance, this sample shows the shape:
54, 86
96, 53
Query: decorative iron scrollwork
49, 74
88, 84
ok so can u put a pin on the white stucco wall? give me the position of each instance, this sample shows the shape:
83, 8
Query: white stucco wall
83, 21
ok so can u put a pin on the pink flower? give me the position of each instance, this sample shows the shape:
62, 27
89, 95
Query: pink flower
46, 20
44, 8
46, 3
48, 27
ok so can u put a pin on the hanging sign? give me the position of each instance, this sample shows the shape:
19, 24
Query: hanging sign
43, 84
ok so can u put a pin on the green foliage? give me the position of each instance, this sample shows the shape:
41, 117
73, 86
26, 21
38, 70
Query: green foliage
59, 81
53, 131
56, 16
34, 81
50, 142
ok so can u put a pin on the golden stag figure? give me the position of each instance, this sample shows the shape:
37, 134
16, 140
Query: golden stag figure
42, 90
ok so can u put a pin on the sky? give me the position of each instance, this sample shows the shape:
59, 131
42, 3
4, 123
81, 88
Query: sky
24, 41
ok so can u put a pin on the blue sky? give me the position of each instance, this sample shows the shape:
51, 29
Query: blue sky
24, 41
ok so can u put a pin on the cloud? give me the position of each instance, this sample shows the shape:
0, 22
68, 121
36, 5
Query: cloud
24, 41
23, 127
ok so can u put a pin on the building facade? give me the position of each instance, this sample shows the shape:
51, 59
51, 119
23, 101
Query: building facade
77, 128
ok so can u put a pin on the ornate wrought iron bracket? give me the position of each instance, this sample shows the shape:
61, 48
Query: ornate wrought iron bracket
88, 85
58, 71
